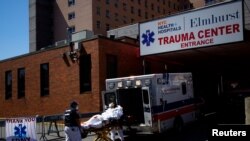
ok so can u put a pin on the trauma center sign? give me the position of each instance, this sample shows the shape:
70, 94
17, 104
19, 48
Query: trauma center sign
213, 25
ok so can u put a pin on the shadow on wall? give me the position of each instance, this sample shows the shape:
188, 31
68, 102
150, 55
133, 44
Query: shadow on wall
60, 23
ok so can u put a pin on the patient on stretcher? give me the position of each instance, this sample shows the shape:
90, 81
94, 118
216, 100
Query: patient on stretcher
100, 120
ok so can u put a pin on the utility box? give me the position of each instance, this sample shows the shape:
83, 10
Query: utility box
85, 34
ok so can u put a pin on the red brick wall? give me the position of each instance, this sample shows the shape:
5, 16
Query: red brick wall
129, 62
64, 84
64, 79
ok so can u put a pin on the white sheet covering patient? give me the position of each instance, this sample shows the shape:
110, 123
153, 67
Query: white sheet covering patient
97, 121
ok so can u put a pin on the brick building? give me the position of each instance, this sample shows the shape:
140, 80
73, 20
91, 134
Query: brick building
46, 81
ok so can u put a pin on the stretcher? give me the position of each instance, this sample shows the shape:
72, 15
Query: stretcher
102, 133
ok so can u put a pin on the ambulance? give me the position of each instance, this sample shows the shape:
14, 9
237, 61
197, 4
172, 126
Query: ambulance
154, 103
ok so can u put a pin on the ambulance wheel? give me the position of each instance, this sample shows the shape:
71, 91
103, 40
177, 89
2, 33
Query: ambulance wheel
178, 124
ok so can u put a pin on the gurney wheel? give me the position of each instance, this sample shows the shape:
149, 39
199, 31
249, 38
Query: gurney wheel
103, 135
103, 139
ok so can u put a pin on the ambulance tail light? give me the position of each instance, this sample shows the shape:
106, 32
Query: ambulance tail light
129, 83
147, 82
119, 85
111, 85
138, 83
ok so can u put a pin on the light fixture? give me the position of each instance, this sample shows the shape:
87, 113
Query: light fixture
147, 82
119, 85
138, 82
129, 83
111, 85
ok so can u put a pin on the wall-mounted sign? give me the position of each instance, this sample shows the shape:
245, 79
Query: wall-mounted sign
218, 24
21, 129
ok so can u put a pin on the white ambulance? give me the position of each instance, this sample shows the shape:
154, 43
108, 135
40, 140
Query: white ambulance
154, 102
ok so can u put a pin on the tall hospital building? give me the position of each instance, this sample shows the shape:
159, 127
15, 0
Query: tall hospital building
52, 20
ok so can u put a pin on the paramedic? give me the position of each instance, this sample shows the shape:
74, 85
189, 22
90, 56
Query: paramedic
72, 123
117, 129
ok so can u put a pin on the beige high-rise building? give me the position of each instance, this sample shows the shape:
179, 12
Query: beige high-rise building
52, 20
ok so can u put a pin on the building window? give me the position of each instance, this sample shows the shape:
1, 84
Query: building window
191, 6
139, 12
152, 6
107, 27
98, 24
124, 6
44, 79
116, 3
107, 1
85, 73
124, 19
107, 13
146, 4
21, 83
71, 15
146, 15
111, 64
8, 85
98, 11
71, 2
116, 17
158, 9
71, 29
132, 9
132, 20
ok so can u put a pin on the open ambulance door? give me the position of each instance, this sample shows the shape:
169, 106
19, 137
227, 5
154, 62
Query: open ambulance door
147, 106
108, 97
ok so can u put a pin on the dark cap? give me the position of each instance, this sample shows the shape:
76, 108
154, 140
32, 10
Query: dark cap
73, 104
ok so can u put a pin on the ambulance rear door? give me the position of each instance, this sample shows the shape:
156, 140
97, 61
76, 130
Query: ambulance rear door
147, 106
108, 97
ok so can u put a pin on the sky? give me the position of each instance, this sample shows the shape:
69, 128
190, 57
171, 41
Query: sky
14, 31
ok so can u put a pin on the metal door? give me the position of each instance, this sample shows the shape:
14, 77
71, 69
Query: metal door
147, 106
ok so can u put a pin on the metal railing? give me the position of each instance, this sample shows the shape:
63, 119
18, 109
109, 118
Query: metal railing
47, 127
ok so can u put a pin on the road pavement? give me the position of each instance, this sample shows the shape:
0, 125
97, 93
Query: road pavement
197, 131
